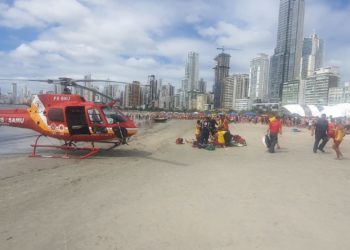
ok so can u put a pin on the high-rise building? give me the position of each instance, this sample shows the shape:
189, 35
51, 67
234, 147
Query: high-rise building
312, 56
339, 95
221, 71
235, 88
202, 100
111, 90
88, 95
132, 95
285, 63
259, 76
166, 97
58, 88
177, 101
317, 86
290, 92
14, 93
135, 97
154, 91
181, 102
202, 86
145, 96
192, 71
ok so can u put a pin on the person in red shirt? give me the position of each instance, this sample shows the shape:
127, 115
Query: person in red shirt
273, 130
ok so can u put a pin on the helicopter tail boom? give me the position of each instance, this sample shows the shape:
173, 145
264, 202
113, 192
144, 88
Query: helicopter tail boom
16, 118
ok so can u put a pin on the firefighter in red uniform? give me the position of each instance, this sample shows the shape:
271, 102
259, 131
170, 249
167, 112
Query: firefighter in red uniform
275, 127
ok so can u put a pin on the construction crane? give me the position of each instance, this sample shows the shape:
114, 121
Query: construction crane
223, 49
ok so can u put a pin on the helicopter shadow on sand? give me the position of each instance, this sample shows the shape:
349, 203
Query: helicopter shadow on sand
134, 153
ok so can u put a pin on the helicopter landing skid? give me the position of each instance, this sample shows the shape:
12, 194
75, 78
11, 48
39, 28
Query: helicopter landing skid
115, 144
67, 147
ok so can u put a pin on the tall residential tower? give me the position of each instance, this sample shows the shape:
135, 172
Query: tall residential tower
258, 77
192, 71
312, 57
221, 71
285, 63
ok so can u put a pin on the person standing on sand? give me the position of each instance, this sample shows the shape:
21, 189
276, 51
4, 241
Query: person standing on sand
320, 131
223, 123
204, 131
273, 130
212, 126
338, 138
197, 131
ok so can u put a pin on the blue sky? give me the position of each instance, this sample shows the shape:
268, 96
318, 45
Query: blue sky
129, 40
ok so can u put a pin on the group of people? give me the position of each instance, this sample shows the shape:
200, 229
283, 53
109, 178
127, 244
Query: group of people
322, 129
215, 129
325, 130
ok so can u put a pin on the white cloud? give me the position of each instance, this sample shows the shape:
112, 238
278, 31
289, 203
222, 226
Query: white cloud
146, 63
227, 34
193, 19
36, 13
128, 40
24, 51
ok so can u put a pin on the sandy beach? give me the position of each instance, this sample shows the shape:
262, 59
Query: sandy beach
155, 194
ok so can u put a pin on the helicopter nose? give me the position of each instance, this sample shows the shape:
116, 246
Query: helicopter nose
125, 129
131, 127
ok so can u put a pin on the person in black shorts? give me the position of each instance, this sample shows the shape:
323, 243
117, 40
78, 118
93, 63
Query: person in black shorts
320, 131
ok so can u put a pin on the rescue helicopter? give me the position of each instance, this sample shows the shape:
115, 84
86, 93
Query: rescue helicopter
70, 118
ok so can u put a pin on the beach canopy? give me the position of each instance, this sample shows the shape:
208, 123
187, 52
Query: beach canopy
295, 109
338, 110
314, 111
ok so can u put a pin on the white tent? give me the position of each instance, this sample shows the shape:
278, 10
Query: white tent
339, 110
314, 110
295, 109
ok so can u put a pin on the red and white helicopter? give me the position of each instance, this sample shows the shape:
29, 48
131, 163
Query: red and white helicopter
71, 119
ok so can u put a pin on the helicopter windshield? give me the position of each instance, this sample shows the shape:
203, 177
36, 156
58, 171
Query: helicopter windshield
113, 115
94, 116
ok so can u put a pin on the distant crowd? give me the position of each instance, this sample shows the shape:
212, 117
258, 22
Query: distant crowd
286, 120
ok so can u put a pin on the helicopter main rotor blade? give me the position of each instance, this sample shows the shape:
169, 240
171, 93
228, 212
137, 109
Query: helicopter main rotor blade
70, 82
74, 84
30, 80
101, 81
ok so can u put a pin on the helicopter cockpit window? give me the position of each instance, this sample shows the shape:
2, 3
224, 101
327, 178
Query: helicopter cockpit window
56, 115
94, 116
113, 115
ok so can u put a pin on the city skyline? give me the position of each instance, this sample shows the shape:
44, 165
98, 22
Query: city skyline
129, 41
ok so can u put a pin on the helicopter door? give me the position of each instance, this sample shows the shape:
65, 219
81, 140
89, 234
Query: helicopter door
76, 121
